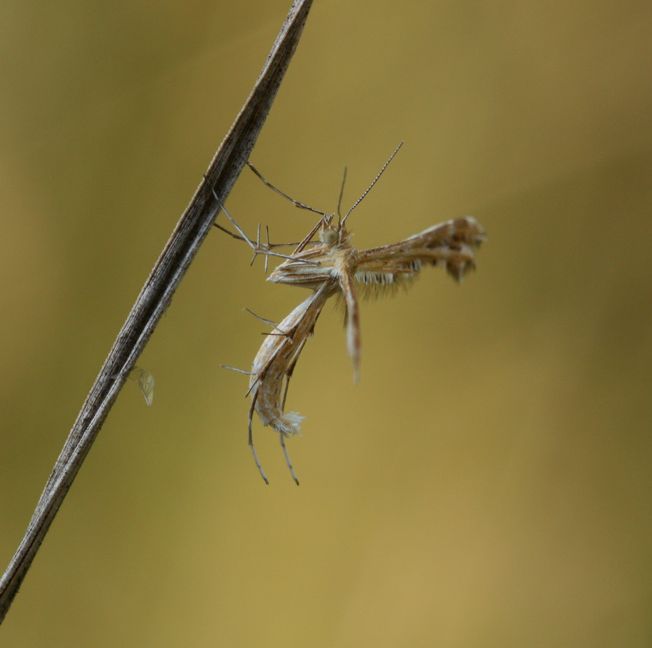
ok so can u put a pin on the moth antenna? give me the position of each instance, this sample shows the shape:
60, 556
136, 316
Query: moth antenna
296, 203
339, 200
288, 461
373, 182
251, 441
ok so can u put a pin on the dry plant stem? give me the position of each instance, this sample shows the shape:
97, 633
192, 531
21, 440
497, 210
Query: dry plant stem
154, 298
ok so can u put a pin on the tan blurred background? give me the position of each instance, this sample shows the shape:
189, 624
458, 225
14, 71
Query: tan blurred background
489, 481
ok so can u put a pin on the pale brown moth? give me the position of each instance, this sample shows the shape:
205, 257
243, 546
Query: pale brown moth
329, 266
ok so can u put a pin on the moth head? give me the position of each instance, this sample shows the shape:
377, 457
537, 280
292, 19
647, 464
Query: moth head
329, 234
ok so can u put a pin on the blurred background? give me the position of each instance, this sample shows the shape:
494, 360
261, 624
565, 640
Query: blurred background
488, 482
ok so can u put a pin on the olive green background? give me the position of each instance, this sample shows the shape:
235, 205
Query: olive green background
489, 482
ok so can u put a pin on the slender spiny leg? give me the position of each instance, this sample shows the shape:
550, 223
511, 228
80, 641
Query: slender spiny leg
251, 441
296, 203
278, 331
229, 232
308, 237
288, 461
269, 245
253, 385
262, 319
288, 375
237, 370
240, 231
215, 224
286, 387
233, 222
256, 248
289, 372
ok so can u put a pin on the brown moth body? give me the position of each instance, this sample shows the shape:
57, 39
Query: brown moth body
329, 266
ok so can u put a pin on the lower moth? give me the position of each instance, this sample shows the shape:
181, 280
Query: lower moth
326, 263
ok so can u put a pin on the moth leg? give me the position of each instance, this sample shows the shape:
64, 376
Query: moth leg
236, 370
243, 237
296, 203
285, 391
290, 371
280, 334
229, 232
259, 375
288, 375
308, 237
262, 319
257, 248
288, 461
353, 342
252, 447
268, 247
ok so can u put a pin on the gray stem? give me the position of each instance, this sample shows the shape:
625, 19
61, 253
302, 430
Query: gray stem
154, 298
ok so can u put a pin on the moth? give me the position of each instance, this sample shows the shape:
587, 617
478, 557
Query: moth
326, 263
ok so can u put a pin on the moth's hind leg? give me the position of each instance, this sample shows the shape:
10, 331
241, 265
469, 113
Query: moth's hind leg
288, 375
252, 447
288, 461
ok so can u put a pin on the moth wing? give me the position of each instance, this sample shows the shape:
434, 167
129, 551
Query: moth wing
451, 243
286, 340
